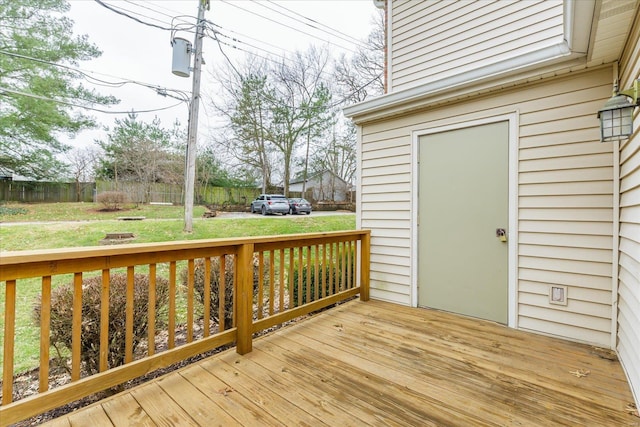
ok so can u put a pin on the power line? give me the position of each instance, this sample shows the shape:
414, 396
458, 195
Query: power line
120, 12
72, 104
333, 105
243, 35
123, 81
334, 32
233, 39
284, 25
237, 40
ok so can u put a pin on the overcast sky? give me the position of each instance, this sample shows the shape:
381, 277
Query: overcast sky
142, 53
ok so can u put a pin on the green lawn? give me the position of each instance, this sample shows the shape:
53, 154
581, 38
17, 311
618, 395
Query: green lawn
82, 224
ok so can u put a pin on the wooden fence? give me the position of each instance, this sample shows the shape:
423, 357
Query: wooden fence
46, 192
217, 197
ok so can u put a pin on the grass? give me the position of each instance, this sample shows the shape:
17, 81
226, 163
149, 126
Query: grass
60, 225
29, 212
82, 224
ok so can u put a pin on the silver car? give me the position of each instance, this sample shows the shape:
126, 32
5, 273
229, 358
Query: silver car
298, 205
270, 203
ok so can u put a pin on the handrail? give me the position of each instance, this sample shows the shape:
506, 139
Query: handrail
320, 269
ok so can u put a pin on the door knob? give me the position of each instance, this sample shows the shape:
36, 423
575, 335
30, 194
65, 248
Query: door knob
501, 234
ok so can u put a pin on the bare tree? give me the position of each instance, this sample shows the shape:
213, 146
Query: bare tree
337, 154
144, 153
301, 105
81, 164
361, 75
242, 103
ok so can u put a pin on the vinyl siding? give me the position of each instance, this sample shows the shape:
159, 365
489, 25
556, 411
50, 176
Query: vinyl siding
564, 205
629, 244
483, 33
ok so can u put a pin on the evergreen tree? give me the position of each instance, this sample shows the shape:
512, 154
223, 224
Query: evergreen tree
38, 52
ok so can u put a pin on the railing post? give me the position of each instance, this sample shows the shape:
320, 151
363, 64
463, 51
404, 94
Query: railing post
244, 298
365, 264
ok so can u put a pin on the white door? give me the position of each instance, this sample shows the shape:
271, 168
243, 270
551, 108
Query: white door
463, 205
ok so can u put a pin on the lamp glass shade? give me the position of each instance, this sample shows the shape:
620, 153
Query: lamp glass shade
616, 123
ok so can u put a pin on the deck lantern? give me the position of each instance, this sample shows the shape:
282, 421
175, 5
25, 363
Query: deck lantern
616, 117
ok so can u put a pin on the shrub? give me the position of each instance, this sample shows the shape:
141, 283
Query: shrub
198, 285
62, 315
5, 210
336, 277
112, 200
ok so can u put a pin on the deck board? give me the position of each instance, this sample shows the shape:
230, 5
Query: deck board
198, 405
375, 363
163, 410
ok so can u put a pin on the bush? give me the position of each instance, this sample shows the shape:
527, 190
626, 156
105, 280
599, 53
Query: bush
5, 210
62, 315
198, 285
336, 277
112, 200
312, 283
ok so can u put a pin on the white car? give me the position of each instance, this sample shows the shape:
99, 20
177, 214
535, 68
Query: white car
270, 203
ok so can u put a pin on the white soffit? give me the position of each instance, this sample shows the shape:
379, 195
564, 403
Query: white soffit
612, 24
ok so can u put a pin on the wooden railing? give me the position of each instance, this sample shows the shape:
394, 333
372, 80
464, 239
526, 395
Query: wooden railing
273, 280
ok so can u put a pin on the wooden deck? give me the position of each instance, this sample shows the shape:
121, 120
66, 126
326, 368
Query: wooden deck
374, 363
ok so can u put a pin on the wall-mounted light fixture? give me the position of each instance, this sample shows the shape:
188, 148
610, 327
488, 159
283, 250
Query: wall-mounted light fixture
616, 117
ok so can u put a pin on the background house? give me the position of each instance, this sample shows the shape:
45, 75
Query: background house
323, 186
482, 175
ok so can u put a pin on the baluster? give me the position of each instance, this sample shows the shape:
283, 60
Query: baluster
316, 279
260, 284
331, 264
104, 320
291, 267
76, 328
9, 340
206, 299
128, 340
172, 305
190, 279
45, 325
272, 274
222, 293
300, 278
349, 257
308, 278
324, 270
343, 269
151, 311
281, 288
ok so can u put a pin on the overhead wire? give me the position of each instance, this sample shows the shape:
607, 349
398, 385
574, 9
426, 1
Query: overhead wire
190, 28
242, 35
73, 104
85, 73
333, 33
220, 43
283, 24
212, 33
121, 12
236, 40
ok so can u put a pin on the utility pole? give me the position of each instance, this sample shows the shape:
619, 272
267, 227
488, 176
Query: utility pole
192, 133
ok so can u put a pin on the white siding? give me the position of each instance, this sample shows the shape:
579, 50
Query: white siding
565, 201
425, 33
629, 254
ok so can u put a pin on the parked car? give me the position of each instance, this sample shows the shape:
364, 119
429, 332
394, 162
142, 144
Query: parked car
298, 205
270, 203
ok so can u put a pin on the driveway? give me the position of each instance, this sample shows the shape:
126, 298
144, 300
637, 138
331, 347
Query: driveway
220, 214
